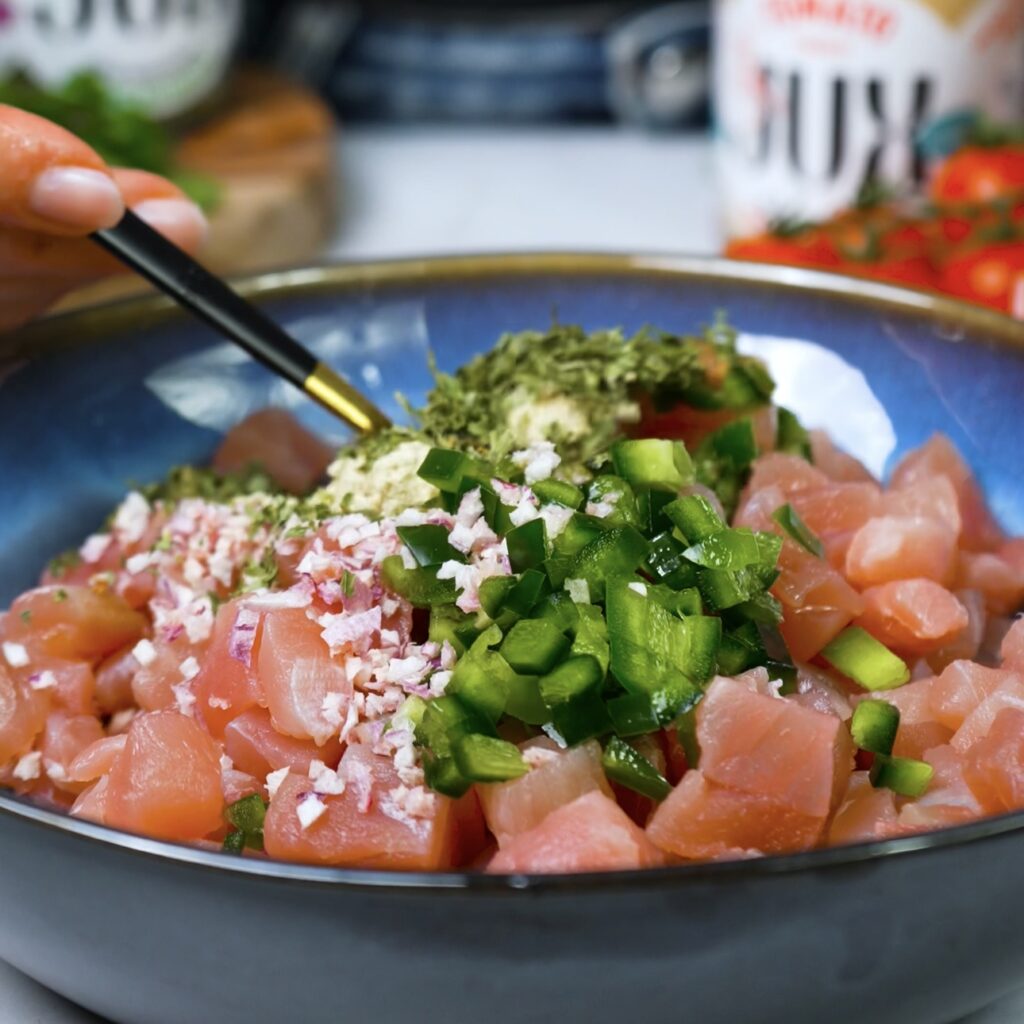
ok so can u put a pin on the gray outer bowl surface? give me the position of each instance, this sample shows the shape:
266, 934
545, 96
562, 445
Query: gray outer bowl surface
922, 929
158, 934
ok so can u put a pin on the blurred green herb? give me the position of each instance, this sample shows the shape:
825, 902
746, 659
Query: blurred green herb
195, 482
597, 377
122, 133
61, 564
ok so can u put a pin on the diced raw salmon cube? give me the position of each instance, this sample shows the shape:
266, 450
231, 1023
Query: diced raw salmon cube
74, 622
700, 820
91, 804
296, 673
22, 716
899, 548
994, 765
154, 680
835, 463
256, 747
932, 497
560, 776
228, 684
818, 603
590, 834
275, 440
64, 738
948, 799
71, 684
773, 747
1012, 649
865, 815
961, 687
166, 782
366, 826
967, 643
978, 723
114, 677
838, 508
830, 695
1001, 581
938, 457
789, 473
913, 616
97, 759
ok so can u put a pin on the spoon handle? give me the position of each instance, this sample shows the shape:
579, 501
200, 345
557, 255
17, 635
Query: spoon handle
189, 284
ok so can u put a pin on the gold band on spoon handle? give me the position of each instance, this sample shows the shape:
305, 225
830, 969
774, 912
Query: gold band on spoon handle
335, 394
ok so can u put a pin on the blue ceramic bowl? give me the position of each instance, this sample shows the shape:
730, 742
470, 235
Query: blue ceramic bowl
919, 929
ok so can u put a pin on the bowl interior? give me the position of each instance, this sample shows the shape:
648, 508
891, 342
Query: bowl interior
83, 422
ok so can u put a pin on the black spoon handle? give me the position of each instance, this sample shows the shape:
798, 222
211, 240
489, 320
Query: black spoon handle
175, 273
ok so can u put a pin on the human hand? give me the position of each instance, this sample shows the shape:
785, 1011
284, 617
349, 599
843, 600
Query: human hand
54, 190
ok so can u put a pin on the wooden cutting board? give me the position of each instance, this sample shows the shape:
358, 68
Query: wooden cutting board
271, 146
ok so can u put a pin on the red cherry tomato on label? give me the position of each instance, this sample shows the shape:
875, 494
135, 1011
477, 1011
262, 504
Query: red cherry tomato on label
979, 174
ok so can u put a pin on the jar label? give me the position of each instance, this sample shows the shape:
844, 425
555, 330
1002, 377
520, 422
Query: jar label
814, 98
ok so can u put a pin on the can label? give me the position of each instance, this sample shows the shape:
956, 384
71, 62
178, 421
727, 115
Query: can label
814, 98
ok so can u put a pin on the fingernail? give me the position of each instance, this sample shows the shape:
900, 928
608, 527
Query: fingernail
182, 221
78, 196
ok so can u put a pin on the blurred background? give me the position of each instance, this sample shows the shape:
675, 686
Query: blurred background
880, 138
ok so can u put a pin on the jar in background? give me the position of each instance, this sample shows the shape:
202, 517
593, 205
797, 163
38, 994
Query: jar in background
815, 98
164, 57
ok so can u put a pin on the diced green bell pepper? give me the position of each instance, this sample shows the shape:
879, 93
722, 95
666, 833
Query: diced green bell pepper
667, 564
527, 545
903, 775
629, 768
694, 517
652, 649
727, 549
787, 517
577, 534
652, 463
444, 469
524, 700
874, 725
534, 646
616, 492
615, 553
573, 678
488, 759
420, 586
558, 492
449, 623
590, 635
865, 660
429, 544
790, 436
493, 593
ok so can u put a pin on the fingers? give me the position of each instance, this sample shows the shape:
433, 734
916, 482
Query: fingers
54, 187
163, 206
31, 255
52, 181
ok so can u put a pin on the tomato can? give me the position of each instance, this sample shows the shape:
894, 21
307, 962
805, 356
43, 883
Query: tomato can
816, 98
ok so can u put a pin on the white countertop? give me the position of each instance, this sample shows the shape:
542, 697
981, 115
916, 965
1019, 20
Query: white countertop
444, 190
440, 190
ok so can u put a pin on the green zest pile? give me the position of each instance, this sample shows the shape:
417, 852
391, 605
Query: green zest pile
579, 390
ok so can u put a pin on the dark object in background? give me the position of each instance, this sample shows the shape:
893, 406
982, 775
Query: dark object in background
510, 62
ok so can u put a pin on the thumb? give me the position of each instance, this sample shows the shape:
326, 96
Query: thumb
51, 181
